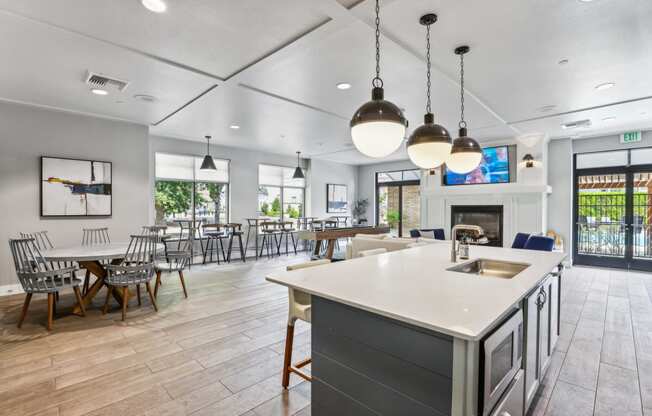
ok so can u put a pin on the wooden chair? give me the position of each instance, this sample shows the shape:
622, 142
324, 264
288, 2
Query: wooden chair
91, 237
175, 261
39, 276
136, 268
299, 308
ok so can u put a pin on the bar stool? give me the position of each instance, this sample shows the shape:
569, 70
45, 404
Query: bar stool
214, 234
287, 230
191, 227
252, 225
235, 230
299, 308
270, 230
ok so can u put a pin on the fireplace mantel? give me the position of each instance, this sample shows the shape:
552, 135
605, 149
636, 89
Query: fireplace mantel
505, 188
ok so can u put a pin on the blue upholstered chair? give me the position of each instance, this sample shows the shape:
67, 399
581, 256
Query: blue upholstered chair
415, 233
438, 233
539, 242
520, 240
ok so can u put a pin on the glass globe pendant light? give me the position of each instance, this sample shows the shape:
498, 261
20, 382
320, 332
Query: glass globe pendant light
429, 145
378, 126
466, 153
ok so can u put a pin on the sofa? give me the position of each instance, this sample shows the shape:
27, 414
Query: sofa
362, 242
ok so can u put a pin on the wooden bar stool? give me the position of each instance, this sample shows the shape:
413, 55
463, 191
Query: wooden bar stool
235, 231
299, 308
270, 233
287, 230
215, 234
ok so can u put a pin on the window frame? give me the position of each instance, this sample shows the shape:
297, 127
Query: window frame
195, 181
282, 192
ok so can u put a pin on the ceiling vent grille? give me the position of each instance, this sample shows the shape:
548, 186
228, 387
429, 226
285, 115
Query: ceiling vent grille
576, 124
96, 80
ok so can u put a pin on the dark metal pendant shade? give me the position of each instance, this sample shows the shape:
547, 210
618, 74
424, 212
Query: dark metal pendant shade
429, 145
378, 109
466, 154
208, 163
298, 173
429, 132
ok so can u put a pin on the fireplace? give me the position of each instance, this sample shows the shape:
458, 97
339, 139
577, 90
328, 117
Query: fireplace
489, 217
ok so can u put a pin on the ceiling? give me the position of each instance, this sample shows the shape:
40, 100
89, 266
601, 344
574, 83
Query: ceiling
271, 66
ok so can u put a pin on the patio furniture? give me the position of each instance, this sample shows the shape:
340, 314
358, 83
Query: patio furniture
37, 275
136, 268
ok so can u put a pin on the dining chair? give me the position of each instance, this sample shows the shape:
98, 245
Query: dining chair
300, 308
190, 227
91, 237
519, 240
36, 275
136, 268
540, 243
175, 261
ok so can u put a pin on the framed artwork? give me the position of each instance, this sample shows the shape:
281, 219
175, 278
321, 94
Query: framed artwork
75, 188
336, 199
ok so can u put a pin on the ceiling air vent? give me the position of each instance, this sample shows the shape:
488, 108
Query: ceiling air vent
95, 80
576, 124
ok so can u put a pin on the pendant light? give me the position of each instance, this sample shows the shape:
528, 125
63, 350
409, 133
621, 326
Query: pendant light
466, 154
429, 145
378, 126
298, 173
208, 163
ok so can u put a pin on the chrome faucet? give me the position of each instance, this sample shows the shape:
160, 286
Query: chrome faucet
478, 230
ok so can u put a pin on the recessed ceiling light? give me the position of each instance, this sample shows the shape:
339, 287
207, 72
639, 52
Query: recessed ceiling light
99, 91
563, 61
234, 126
145, 97
610, 118
605, 86
343, 86
156, 6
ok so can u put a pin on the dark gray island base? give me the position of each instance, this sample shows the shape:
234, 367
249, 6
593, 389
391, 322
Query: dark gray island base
366, 364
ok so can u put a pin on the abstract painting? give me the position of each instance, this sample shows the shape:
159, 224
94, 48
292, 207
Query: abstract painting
72, 188
336, 199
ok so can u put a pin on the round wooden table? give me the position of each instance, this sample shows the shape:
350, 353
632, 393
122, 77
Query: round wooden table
92, 258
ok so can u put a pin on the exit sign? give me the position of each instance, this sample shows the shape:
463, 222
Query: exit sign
630, 137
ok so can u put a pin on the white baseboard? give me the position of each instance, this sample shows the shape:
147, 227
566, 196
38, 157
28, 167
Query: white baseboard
7, 290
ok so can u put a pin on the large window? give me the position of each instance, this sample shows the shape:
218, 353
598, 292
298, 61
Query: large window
184, 192
279, 195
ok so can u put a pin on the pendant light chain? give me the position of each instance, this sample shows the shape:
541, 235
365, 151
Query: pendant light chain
377, 81
428, 104
462, 123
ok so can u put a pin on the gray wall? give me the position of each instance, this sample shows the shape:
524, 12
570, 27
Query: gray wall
367, 182
244, 175
28, 133
560, 179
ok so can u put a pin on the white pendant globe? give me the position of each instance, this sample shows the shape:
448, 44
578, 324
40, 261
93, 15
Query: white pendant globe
463, 162
378, 138
429, 155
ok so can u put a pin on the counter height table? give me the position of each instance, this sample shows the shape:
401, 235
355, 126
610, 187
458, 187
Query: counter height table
92, 258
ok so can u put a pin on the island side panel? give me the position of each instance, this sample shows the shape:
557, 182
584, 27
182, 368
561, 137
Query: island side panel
364, 363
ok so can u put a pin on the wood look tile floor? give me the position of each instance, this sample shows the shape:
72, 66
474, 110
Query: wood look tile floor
220, 351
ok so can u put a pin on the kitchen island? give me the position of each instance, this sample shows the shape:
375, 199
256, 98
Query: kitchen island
398, 333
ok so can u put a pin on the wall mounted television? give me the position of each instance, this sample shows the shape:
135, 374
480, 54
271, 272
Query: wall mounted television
498, 165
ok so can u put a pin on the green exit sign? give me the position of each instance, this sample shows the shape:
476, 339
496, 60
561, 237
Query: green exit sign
630, 137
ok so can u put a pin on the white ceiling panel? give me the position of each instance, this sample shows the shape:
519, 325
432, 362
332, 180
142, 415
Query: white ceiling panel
47, 66
216, 36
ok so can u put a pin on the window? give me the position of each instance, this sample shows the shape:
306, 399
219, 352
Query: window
398, 200
279, 195
184, 192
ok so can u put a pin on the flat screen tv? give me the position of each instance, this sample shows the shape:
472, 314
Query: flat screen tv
494, 168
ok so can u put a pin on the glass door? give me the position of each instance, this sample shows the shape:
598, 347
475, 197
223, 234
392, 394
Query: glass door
410, 208
389, 208
398, 201
613, 216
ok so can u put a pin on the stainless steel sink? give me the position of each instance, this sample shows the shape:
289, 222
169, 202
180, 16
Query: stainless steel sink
490, 268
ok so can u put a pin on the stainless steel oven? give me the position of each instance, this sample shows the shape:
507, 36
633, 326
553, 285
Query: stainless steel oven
501, 357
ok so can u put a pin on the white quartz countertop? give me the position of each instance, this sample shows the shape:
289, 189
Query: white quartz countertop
414, 286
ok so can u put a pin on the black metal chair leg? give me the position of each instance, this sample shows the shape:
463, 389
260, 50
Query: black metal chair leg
243, 252
294, 243
228, 258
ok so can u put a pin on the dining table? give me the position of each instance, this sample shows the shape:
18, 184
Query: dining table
93, 258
